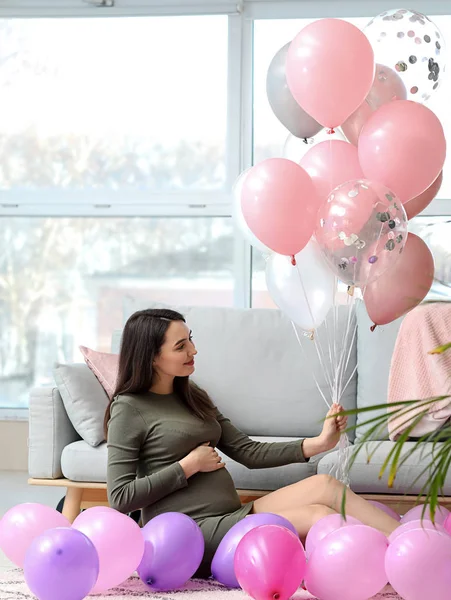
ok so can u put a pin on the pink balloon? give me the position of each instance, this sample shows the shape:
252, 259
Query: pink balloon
416, 513
119, 544
418, 204
412, 525
387, 86
361, 230
403, 286
279, 204
330, 164
348, 564
418, 565
448, 524
222, 565
23, 523
330, 70
325, 526
403, 146
270, 563
389, 511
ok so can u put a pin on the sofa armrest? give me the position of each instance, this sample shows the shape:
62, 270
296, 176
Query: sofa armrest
50, 430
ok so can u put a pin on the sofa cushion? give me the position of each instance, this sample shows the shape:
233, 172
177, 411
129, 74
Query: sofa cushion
104, 366
81, 462
364, 476
374, 354
251, 364
84, 399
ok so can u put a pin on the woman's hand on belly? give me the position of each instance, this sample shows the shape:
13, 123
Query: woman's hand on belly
203, 459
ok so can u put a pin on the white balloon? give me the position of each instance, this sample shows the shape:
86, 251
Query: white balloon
305, 292
238, 216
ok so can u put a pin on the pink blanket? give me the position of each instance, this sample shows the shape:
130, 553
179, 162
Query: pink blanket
417, 375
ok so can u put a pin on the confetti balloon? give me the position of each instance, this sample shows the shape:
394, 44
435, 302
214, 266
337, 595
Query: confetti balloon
411, 44
361, 229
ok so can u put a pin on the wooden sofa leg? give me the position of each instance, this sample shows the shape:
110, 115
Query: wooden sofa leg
72, 503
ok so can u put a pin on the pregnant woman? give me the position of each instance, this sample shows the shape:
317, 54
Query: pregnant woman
163, 431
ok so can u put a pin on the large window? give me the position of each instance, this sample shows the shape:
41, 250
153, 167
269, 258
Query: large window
63, 283
122, 130
126, 105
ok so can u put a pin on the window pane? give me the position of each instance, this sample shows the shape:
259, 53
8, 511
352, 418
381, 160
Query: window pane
63, 282
113, 103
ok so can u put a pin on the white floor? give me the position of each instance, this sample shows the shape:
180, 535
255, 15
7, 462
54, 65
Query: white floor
15, 490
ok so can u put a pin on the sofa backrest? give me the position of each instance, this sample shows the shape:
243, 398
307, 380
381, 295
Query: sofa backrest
250, 362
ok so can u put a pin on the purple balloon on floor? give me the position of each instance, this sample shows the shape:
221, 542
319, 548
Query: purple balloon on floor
174, 548
61, 564
222, 566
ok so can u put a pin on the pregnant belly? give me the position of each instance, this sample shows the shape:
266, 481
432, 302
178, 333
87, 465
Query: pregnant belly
213, 494
207, 495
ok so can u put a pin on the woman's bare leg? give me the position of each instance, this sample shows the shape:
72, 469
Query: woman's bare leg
327, 491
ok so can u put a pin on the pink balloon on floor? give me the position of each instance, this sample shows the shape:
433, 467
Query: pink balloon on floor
348, 564
118, 541
389, 511
403, 146
23, 523
412, 525
325, 526
330, 69
222, 566
270, 563
330, 164
448, 524
415, 206
279, 204
416, 513
418, 563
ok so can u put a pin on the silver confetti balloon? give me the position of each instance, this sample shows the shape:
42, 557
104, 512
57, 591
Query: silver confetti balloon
281, 100
412, 45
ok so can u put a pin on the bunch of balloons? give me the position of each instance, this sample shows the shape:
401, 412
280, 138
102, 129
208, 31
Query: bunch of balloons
342, 559
339, 208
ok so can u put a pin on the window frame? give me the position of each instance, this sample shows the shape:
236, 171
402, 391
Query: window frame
239, 133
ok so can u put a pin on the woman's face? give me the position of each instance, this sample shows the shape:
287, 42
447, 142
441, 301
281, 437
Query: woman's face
176, 358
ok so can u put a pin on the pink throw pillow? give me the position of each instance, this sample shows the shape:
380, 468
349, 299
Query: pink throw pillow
104, 366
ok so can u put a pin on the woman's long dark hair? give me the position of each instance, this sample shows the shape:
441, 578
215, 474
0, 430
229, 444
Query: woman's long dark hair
142, 338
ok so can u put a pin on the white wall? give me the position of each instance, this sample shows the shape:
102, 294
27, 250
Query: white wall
13, 445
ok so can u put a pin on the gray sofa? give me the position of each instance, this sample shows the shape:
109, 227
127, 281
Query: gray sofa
258, 374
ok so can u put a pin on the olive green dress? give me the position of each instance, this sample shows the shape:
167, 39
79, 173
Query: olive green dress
149, 434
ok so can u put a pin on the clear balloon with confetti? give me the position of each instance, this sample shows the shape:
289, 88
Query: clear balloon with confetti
361, 230
411, 44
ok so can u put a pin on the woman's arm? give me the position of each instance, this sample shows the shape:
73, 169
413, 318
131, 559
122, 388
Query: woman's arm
260, 455
127, 432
